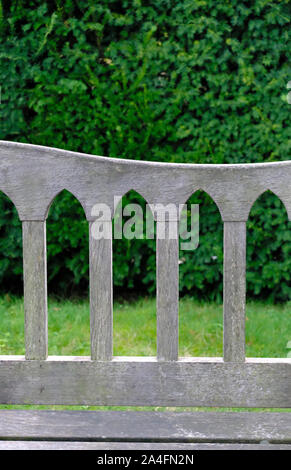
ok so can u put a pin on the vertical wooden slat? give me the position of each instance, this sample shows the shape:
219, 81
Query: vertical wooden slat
35, 289
234, 291
101, 316
167, 259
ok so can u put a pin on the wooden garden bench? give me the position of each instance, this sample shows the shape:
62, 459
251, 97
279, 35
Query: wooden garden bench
32, 176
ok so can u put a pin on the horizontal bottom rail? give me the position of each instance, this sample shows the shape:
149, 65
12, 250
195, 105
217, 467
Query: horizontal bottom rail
146, 382
49, 445
262, 428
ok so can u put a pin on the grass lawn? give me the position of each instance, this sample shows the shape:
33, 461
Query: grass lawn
268, 329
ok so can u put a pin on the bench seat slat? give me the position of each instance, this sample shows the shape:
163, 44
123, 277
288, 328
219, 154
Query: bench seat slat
146, 426
65, 445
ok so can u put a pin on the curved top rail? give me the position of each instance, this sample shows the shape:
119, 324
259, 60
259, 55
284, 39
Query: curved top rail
32, 175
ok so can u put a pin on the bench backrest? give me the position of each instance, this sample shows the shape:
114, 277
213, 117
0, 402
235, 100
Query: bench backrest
32, 176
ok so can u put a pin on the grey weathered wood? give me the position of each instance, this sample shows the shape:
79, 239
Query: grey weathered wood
101, 316
167, 259
32, 175
35, 289
146, 382
64, 445
234, 291
146, 426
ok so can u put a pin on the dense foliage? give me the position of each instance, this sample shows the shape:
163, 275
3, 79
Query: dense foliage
180, 81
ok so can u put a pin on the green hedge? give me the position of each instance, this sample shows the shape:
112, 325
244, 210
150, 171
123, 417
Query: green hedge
185, 81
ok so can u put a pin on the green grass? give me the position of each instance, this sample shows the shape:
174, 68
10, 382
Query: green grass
268, 329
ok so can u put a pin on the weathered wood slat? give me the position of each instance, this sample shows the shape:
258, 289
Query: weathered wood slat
32, 175
145, 382
35, 289
101, 316
234, 291
146, 426
167, 261
64, 445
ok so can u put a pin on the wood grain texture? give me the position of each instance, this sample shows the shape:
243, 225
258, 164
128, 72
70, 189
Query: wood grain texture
35, 289
101, 316
146, 382
146, 426
167, 261
234, 291
33, 175
73, 445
